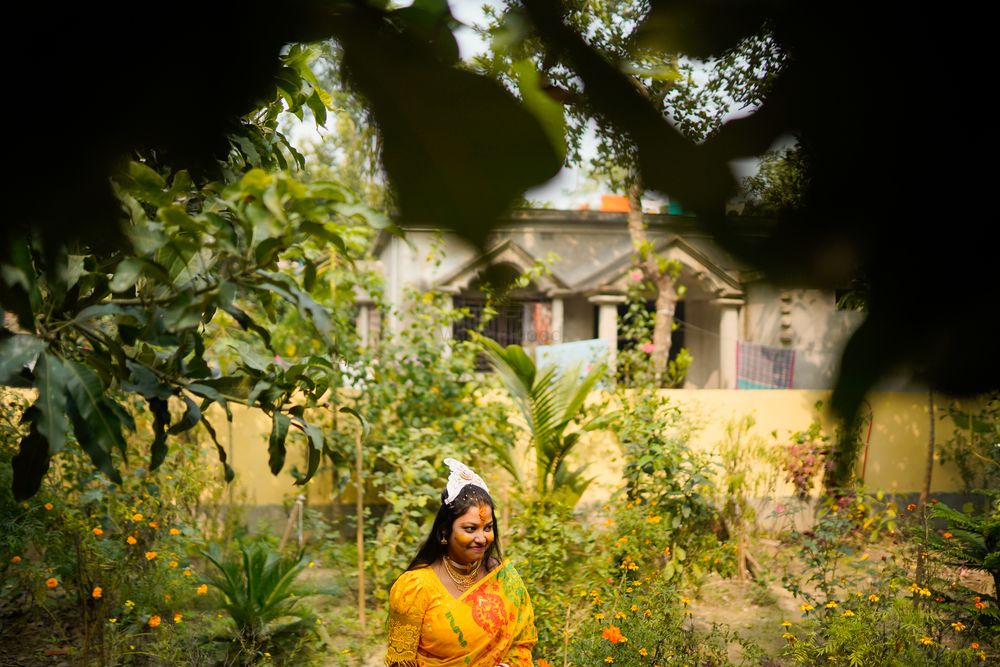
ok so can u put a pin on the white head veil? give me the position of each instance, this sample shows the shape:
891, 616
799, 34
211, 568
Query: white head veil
461, 475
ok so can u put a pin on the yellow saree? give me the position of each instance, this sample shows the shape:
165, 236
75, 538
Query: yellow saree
490, 624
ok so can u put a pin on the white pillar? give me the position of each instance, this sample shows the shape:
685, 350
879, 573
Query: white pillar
607, 323
557, 321
729, 328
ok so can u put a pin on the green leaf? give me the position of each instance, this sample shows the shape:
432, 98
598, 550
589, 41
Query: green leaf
126, 273
146, 185
30, 464
366, 427
97, 427
315, 451
191, 417
316, 105
276, 443
16, 352
210, 394
548, 112
161, 421
227, 469
48, 413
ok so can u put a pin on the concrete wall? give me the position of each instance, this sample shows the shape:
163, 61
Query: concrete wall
896, 452
806, 320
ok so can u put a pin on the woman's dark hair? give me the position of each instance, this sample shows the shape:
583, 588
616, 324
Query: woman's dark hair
432, 549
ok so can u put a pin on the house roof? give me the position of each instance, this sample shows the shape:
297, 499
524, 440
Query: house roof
595, 252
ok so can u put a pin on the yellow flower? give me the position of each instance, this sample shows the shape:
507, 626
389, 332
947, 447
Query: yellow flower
926, 641
925, 592
153, 524
788, 636
806, 607
312, 563
112, 620
203, 589
172, 563
609, 659
848, 613
685, 600
52, 582
177, 617
873, 598
15, 560
914, 587
634, 607
150, 555
97, 531
154, 621
647, 613
864, 556
137, 517
129, 604
786, 624
643, 652
174, 531
47, 506
599, 616
97, 592
131, 540
832, 604
958, 625
187, 573
620, 614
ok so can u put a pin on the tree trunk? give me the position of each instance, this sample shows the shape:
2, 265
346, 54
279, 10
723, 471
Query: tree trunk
662, 279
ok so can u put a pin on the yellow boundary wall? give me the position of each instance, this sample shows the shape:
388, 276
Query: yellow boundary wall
896, 446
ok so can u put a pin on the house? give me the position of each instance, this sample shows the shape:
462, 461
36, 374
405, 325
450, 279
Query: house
740, 330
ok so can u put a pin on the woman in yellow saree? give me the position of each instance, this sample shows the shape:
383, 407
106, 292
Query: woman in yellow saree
458, 604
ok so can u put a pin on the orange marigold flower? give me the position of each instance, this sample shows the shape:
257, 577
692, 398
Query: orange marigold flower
150, 555
97, 531
154, 621
174, 531
15, 560
613, 634
47, 506
203, 589
911, 506
647, 613
97, 592
177, 617
974, 645
643, 652
543, 663
137, 517
52, 582
131, 539
947, 535
979, 603
187, 573
958, 626
153, 524
172, 563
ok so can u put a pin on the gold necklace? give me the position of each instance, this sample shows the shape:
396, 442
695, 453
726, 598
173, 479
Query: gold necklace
462, 581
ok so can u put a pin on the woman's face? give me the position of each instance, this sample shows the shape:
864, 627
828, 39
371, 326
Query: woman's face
471, 535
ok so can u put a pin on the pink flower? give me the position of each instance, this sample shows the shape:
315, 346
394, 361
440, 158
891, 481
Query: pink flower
635, 275
647, 347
